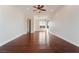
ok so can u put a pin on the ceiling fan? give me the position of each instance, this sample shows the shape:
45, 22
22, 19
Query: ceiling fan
39, 8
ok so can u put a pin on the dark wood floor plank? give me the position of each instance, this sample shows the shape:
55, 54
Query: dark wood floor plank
39, 42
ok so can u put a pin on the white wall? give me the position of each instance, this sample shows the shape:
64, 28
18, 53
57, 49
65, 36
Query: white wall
11, 23
67, 24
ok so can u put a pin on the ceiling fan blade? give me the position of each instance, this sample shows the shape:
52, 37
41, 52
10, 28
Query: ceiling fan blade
43, 9
41, 6
34, 6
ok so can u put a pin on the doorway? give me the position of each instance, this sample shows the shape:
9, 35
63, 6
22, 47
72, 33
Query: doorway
29, 25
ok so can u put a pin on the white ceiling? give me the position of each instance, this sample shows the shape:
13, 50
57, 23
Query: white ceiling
50, 10
28, 9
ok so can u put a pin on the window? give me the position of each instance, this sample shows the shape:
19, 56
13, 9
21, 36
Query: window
42, 24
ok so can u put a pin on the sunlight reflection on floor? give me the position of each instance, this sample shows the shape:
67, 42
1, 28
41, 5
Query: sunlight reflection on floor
43, 39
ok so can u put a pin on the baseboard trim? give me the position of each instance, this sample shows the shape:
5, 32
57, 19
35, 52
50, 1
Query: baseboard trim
74, 43
5, 42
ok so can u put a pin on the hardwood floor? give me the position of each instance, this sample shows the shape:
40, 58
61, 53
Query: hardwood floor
38, 42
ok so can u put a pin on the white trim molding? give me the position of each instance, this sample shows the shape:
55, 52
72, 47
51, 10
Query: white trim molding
5, 42
70, 41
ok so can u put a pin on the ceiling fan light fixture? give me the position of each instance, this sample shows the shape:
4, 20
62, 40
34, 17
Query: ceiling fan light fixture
39, 8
